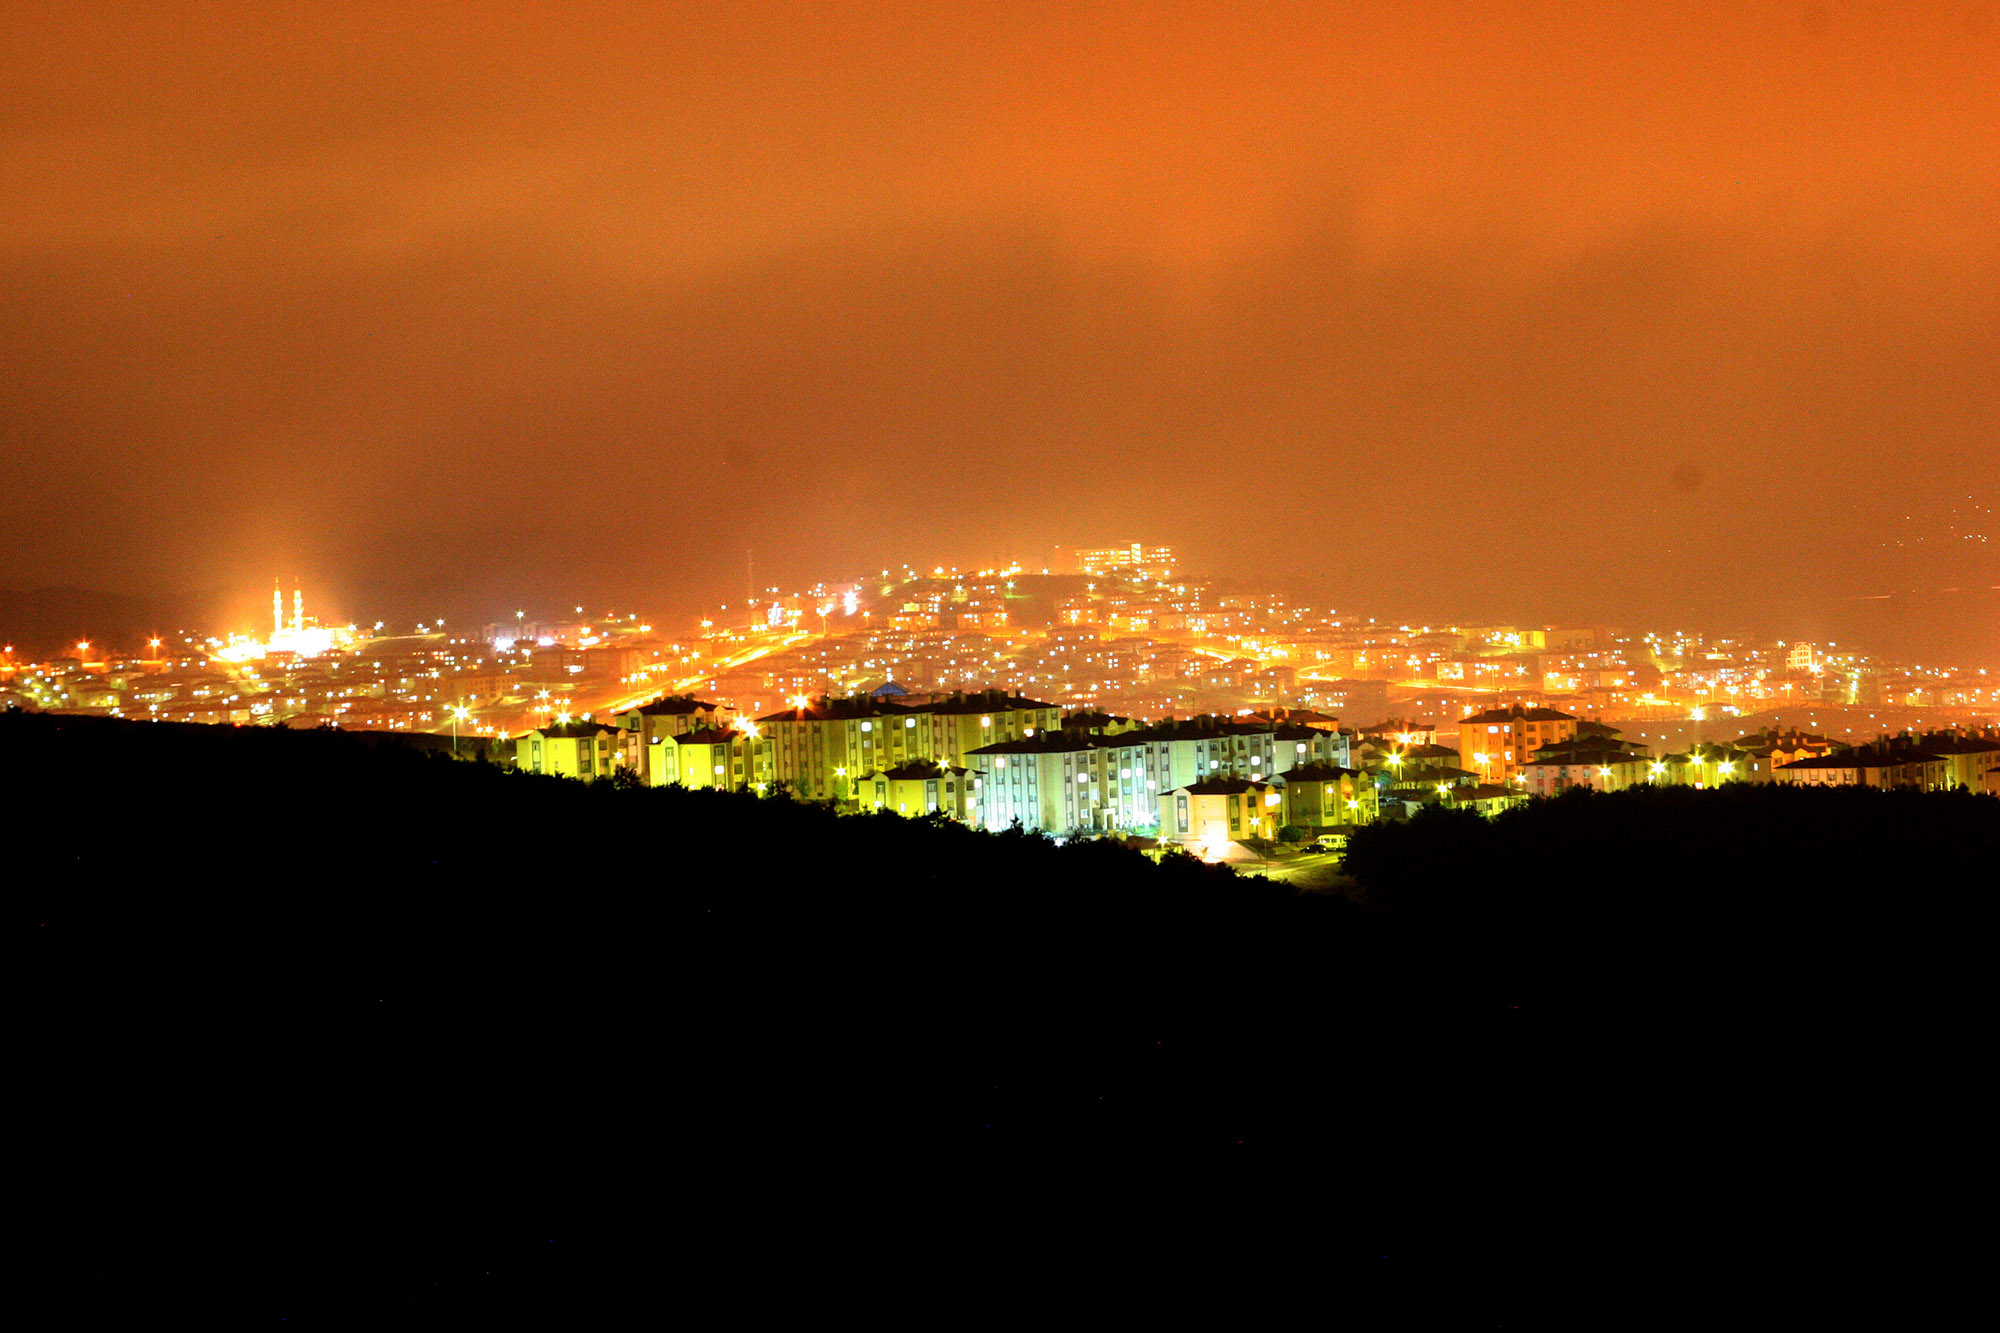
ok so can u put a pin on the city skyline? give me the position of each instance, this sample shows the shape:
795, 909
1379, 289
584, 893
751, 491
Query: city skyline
1957, 627
1121, 626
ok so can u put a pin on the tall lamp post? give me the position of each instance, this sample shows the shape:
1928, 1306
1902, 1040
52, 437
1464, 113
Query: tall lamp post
458, 714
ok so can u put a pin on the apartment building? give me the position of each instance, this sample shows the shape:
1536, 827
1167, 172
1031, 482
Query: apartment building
1497, 743
586, 750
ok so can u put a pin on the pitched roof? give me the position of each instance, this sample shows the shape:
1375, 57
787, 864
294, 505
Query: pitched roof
1222, 787
840, 710
1317, 773
1837, 759
1049, 742
1942, 744
992, 702
1395, 726
569, 731
1430, 777
914, 769
707, 736
673, 705
1520, 714
1866, 756
867, 706
1583, 757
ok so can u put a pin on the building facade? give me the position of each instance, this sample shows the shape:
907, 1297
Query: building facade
1215, 812
921, 788
724, 757
585, 750
1327, 797
1497, 743
821, 748
1571, 767
647, 728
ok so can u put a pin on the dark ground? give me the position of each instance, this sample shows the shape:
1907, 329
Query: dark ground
316, 1033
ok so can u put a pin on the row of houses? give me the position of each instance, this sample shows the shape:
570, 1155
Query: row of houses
1938, 761
994, 759
1591, 755
986, 758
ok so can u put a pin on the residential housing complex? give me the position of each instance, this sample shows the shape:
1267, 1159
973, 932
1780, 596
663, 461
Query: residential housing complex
997, 760
822, 748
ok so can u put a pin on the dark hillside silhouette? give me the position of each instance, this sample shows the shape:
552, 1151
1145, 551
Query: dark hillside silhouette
322, 1023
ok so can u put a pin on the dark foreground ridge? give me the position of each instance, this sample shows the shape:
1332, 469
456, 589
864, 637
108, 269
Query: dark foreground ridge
326, 1029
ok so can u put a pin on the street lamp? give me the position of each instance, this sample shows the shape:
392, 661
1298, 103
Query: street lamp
458, 715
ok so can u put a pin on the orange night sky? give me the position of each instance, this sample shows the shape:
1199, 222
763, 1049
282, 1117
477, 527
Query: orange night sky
1638, 312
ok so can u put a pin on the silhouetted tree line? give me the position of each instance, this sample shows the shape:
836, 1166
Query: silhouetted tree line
386, 1023
1848, 874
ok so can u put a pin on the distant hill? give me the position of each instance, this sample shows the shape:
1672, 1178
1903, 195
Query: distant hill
40, 621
